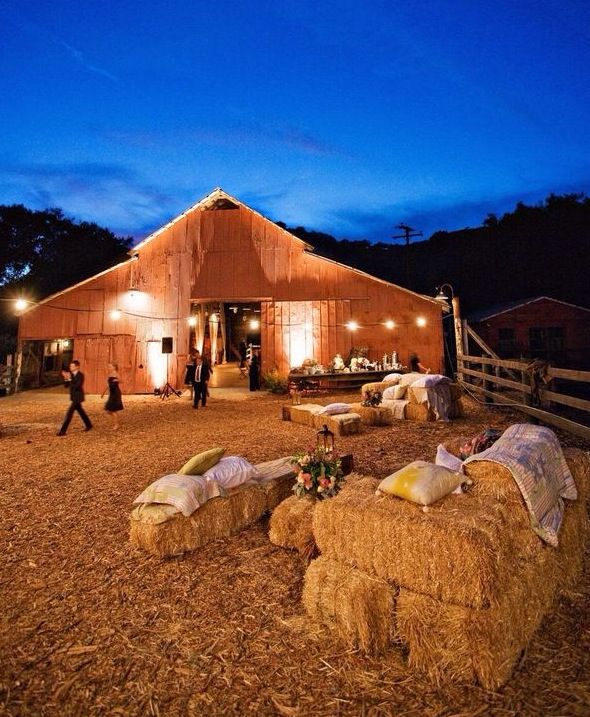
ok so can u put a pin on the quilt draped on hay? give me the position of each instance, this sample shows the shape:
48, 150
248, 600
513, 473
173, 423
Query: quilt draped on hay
534, 457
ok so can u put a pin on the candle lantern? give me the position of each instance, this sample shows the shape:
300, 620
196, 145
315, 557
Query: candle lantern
325, 439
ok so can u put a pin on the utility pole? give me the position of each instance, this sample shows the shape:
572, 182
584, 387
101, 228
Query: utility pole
408, 233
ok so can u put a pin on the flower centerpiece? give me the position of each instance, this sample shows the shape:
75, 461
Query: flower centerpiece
319, 473
371, 397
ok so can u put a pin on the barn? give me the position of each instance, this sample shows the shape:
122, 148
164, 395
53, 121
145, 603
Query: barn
539, 327
219, 273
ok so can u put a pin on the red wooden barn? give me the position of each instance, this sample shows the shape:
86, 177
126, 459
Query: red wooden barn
219, 273
540, 327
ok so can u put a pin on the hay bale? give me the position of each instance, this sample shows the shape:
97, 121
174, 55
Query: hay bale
359, 608
217, 518
373, 415
459, 551
344, 424
418, 412
304, 414
291, 525
376, 386
277, 490
451, 642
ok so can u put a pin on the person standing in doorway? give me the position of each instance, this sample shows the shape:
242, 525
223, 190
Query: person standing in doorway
74, 378
254, 371
114, 402
200, 381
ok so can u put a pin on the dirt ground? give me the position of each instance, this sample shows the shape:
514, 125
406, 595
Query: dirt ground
90, 626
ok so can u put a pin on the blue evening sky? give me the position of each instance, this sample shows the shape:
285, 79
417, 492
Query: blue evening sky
345, 117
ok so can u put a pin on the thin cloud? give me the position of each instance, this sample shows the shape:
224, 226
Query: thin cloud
43, 34
79, 57
234, 134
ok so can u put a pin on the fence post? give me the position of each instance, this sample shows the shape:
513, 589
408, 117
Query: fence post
488, 385
458, 335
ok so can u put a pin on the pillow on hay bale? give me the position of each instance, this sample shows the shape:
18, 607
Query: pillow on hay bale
421, 482
335, 409
186, 493
231, 472
200, 463
392, 378
395, 393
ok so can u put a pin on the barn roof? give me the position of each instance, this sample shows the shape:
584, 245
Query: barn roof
219, 199
497, 309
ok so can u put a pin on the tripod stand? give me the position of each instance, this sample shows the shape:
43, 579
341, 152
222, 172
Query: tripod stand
167, 389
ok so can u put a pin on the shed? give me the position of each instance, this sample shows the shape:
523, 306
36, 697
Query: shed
539, 327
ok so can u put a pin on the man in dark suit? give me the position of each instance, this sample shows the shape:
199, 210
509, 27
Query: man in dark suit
202, 374
74, 378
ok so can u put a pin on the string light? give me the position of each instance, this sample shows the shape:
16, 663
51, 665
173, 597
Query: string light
115, 314
192, 320
389, 324
254, 324
352, 325
421, 321
21, 304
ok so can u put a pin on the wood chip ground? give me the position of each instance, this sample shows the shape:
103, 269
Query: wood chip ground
90, 626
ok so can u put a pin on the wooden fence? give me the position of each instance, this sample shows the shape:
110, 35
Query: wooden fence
514, 383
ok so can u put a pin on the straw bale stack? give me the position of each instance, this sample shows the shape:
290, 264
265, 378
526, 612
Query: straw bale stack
357, 607
454, 552
343, 424
373, 415
376, 386
291, 525
277, 490
451, 642
304, 413
482, 582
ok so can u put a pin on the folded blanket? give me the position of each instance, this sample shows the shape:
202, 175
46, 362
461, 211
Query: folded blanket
397, 406
184, 492
437, 397
534, 457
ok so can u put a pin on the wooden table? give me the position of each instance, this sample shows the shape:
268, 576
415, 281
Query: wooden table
308, 383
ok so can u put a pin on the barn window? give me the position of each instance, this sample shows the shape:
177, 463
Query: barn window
546, 339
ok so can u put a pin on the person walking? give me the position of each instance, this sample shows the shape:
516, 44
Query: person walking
74, 379
200, 381
114, 402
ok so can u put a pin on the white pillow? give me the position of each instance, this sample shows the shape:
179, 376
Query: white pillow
392, 377
394, 393
448, 460
231, 471
333, 409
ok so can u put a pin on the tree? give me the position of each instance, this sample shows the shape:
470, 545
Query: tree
42, 252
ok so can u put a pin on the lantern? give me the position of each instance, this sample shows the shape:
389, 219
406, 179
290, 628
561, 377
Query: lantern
325, 439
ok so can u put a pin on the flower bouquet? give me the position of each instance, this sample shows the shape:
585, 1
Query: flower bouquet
371, 397
319, 473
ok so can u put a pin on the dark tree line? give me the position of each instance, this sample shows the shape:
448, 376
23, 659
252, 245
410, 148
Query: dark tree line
42, 252
531, 251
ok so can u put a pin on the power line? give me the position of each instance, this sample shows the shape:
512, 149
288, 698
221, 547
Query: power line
408, 233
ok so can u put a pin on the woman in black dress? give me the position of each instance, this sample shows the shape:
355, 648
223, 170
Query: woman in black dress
114, 402
189, 373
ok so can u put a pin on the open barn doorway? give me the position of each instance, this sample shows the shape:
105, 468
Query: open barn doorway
226, 332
